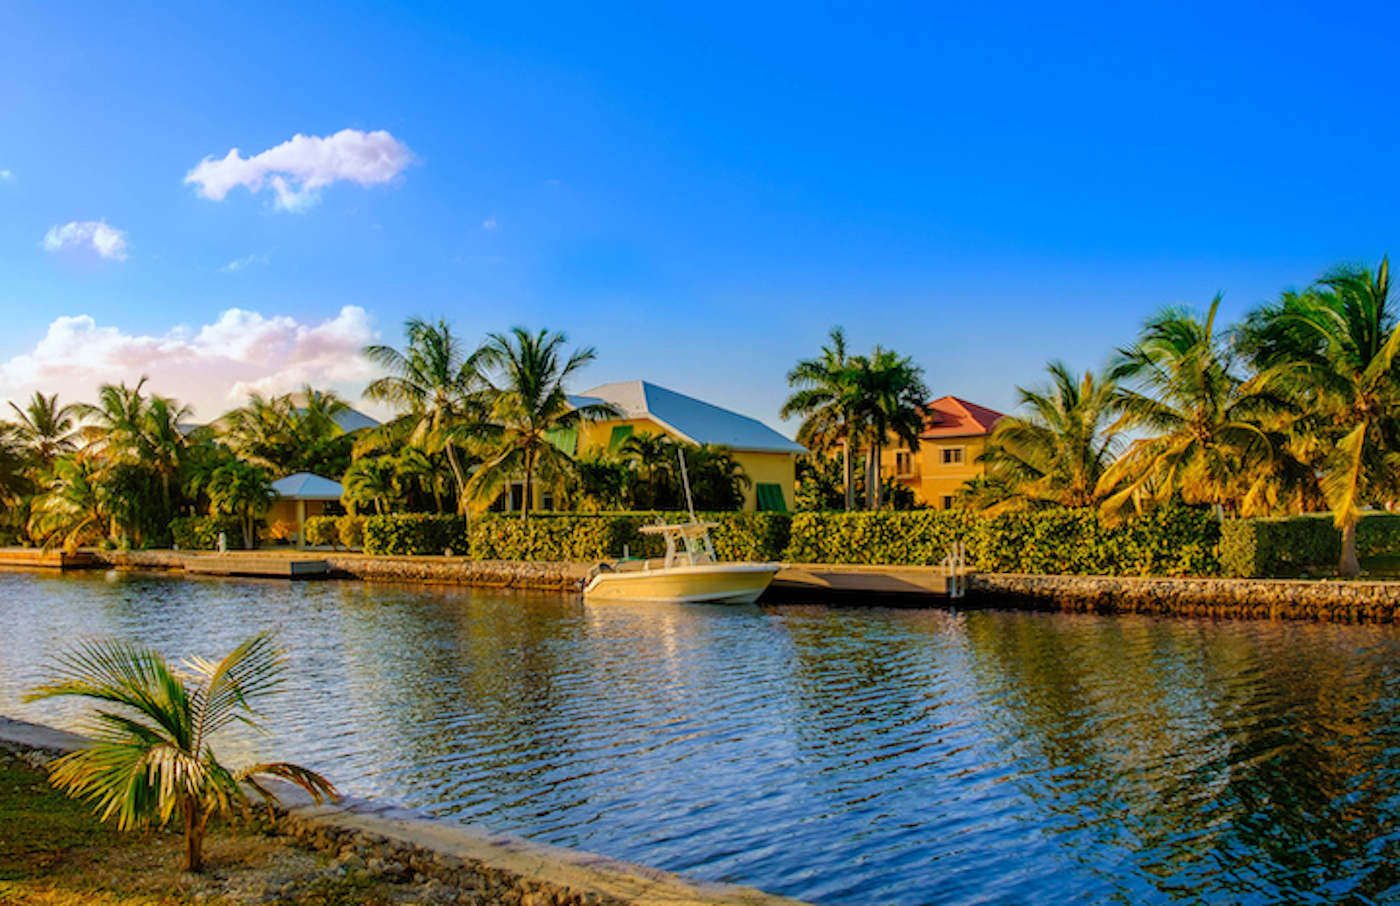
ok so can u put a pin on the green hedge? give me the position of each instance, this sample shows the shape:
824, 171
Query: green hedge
352, 531
414, 534
1256, 548
201, 533
1169, 541
322, 530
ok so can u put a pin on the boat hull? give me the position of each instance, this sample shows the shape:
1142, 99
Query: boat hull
727, 583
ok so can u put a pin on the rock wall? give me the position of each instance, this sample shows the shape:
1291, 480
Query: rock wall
1259, 598
567, 577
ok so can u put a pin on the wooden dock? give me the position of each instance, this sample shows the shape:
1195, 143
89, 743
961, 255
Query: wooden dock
38, 558
820, 583
254, 564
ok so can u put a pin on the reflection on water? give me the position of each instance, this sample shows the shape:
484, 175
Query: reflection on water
840, 756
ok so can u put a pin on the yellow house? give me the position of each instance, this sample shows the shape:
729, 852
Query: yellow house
955, 434
767, 457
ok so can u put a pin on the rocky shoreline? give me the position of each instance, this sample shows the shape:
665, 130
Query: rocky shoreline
445, 861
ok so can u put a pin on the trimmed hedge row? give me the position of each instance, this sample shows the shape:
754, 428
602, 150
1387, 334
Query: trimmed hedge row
201, 533
1171, 541
1288, 546
414, 534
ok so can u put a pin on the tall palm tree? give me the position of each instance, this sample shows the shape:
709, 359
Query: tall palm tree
73, 507
1332, 349
371, 480
131, 429
291, 433
1059, 450
244, 490
151, 753
45, 428
1202, 423
438, 385
890, 401
825, 395
528, 405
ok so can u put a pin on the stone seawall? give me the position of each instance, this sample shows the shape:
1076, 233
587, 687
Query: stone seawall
448, 862
1258, 598
567, 577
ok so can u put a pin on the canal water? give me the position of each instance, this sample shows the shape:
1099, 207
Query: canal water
838, 755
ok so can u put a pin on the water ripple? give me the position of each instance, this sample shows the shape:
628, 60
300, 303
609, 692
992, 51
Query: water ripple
839, 756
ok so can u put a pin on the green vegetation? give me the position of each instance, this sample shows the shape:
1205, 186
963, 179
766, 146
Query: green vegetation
150, 756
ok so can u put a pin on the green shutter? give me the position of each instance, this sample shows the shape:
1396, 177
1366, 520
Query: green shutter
565, 439
770, 498
620, 433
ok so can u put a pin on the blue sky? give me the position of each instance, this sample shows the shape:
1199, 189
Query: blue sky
700, 192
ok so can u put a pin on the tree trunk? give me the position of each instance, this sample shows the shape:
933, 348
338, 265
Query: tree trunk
194, 836
875, 483
459, 478
529, 483
849, 474
1350, 565
249, 533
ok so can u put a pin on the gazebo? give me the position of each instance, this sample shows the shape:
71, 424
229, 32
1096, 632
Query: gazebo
303, 488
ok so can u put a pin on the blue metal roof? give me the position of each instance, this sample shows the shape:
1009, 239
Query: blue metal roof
691, 419
306, 486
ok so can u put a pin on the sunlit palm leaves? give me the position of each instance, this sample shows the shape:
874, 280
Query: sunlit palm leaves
526, 404
1203, 426
1332, 349
826, 395
151, 755
1057, 452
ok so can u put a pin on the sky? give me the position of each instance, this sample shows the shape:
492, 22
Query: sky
239, 198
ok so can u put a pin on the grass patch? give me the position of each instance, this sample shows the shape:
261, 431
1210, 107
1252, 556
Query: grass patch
54, 852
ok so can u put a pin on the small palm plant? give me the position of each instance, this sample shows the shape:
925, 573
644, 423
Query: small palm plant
151, 756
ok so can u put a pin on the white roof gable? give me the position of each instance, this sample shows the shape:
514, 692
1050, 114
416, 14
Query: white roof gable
696, 421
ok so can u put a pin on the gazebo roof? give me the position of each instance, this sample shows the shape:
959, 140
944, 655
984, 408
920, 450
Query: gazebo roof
305, 486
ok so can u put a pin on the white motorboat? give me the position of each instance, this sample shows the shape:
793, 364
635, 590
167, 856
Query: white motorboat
689, 572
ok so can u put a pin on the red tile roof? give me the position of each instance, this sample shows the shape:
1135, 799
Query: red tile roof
952, 417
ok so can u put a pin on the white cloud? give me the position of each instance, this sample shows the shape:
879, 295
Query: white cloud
108, 242
212, 368
239, 264
298, 169
6, 175
490, 224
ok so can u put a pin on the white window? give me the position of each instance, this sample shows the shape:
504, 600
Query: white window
947, 501
952, 456
904, 462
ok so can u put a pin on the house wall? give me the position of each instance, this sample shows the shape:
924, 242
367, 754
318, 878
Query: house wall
761, 467
931, 479
286, 511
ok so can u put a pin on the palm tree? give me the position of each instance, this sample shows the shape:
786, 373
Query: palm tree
717, 480
1203, 423
826, 396
291, 433
1332, 349
371, 480
439, 386
131, 429
1058, 452
240, 489
890, 396
656, 483
151, 752
72, 510
527, 406
45, 428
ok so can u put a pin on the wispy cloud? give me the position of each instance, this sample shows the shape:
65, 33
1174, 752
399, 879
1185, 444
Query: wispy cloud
6, 175
213, 367
490, 224
299, 168
108, 242
239, 264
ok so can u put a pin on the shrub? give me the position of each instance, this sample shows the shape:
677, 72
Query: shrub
201, 533
1171, 540
322, 530
352, 531
1287, 546
414, 534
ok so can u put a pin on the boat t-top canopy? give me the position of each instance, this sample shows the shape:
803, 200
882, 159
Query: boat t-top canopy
696, 536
